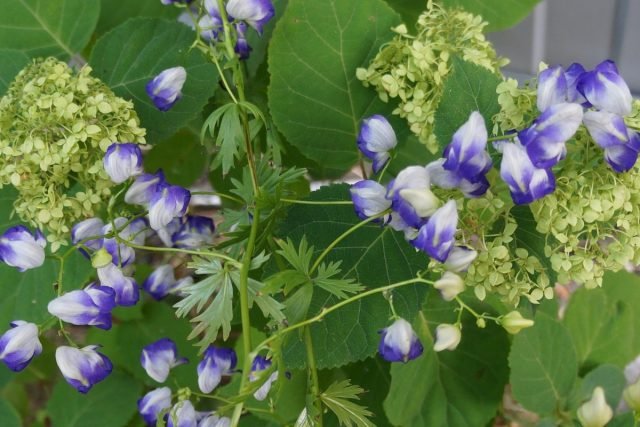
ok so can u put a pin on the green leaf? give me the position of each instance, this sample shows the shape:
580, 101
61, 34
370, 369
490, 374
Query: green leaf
409, 9
115, 12
11, 62
110, 403
598, 324
500, 14
341, 288
39, 28
181, 157
609, 377
314, 97
622, 420
468, 88
339, 396
9, 417
132, 54
461, 388
543, 366
373, 256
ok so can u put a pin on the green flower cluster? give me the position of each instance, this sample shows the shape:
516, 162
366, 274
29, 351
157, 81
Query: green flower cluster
517, 106
55, 126
414, 68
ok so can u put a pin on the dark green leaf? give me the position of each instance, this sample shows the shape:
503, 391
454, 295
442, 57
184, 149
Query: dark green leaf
11, 62
609, 377
110, 403
543, 365
339, 398
115, 12
9, 417
314, 97
461, 388
47, 28
468, 88
132, 54
409, 9
373, 256
501, 14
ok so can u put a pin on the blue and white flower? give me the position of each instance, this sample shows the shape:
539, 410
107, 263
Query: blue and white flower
194, 233
256, 13
144, 187
605, 89
258, 365
153, 403
437, 236
526, 182
572, 76
369, 198
166, 88
467, 154
91, 306
440, 177
376, 139
545, 138
447, 337
134, 231
160, 282
122, 161
86, 229
242, 47
83, 367
168, 2
459, 259
552, 87
215, 363
126, 288
399, 343
19, 345
168, 202
621, 144
411, 196
213, 420
21, 248
159, 357
182, 414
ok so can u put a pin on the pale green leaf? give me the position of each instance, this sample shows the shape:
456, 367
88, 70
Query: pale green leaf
40, 28
339, 399
500, 14
314, 97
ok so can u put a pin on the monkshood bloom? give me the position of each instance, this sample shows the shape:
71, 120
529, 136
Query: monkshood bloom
437, 236
83, 367
411, 196
212, 420
91, 306
620, 144
154, 402
545, 138
526, 182
605, 89
447, 337
182, 414
125, 288
448, 180
256, 13
21, 248
459, 259
83, 230
258, 365
168, 202
134, 231
144, 187
376, 139
165, 89
242, 47
19, 345
194, 233
167, 2
552, 87
159, 357
215, 363
467, 154
122, 161
369, 198
399, 343
160, 282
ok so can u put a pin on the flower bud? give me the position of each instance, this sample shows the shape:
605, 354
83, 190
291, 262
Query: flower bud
631, 395
83, 367
449, 285
447, 337
165, 89
101, 258
159, 357
595, 412
481, 323
376, 139
514, 322
399, 343
19, 345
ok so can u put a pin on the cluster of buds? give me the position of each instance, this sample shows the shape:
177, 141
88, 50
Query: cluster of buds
414, 68
55, 126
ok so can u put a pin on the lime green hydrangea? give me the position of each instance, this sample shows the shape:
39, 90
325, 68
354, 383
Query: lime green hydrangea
413, 68
55, 126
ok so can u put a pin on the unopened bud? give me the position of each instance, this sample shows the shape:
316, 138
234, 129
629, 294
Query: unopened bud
449, 285
595, 412
631, 395
514, 322
447, 337
101, 258
481, 323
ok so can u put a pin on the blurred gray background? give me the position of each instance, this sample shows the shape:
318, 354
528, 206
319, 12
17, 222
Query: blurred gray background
567, 31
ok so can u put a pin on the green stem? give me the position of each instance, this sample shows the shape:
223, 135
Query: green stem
384, 170
501, 137
215, 193
341, 237
314, 202
314, 384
